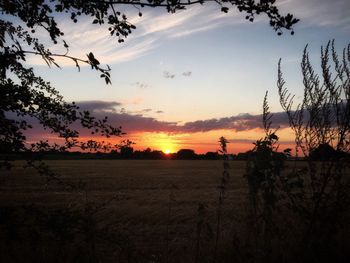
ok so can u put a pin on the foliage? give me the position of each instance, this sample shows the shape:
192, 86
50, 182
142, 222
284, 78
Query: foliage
326, 152
69, 233
25, 96
323, 115
263, 172
316, 194
126, 151
319, 193
186, 154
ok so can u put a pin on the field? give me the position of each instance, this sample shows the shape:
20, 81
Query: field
143, 187
162, 211
143, 190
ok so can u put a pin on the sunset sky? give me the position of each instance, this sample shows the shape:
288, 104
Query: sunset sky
183, 80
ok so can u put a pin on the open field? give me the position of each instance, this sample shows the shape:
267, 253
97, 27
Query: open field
153, 205
144, 191
141, 184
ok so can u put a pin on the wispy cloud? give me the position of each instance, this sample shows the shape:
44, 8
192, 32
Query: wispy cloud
85, 37
168, 75
134, 100
187, 32
152, 28
166, 22
141, 85
187, 73
206, 19
98, 105
323, 13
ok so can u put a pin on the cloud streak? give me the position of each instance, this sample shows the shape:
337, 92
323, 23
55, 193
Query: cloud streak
142, 85
98, 105
152, 28
136, 123
168, 75
323, 13
187, 74
133, 123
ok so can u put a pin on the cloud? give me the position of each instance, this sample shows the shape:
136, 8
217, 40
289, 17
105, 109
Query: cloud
323, 13
136, 122
134, 100
87, 37
208, 19
159, 111
243, 122
187, 73
153, 28
98, 105
168, 75
250, 141
142, 85
166, 22
240, 122
187, 32
133, 123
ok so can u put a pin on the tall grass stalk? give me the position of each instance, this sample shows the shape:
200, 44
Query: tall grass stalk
222, 187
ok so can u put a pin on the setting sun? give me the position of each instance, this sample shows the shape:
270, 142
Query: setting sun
166, 151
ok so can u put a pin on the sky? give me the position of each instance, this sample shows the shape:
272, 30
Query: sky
183, 80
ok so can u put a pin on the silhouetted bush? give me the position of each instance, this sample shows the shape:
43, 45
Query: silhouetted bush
186, 154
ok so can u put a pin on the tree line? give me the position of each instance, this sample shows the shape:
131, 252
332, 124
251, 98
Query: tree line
323, 152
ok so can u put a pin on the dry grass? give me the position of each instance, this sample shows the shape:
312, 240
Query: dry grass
142, 189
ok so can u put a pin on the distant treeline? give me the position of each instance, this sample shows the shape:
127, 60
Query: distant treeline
322, 153
123, 154
148, 154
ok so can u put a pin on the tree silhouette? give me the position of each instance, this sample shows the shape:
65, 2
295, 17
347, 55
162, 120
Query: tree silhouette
186, 154
26, 95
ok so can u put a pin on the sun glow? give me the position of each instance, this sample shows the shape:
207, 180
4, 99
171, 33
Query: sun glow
167, 151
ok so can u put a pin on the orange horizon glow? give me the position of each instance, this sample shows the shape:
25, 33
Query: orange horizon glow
203, 142
200, 142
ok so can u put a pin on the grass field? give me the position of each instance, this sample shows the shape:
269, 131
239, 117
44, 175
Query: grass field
144, 191
138, 183
152, 205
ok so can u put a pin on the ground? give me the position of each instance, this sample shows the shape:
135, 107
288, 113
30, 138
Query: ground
161, 210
